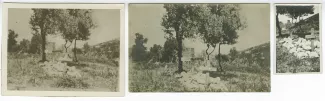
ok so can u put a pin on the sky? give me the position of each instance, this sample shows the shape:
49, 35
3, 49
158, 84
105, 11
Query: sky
146, 19
284, 18
107, 21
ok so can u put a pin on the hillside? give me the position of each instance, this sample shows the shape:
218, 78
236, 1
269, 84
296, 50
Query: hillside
110, 42
259, 54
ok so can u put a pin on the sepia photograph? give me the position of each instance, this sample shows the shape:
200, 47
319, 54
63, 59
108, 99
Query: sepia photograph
63, 49
199, 48
298, 38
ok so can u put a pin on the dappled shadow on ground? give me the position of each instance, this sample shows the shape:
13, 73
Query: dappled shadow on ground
222, 75
77, 64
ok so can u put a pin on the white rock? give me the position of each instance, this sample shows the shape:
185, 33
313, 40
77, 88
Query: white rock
313, 54
214, 80
219, 86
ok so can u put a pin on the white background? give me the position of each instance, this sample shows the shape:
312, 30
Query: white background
299, 87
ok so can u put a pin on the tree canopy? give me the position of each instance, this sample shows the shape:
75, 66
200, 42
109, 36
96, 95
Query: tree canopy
294, 12
219, 25
169, 50
214, 23
12, 42
45, 21
139, 50
35, 44
181, 20
78, 23
24, 46
155, 53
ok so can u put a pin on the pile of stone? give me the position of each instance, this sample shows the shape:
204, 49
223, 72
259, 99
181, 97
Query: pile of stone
57, 68
66, 57
200, 81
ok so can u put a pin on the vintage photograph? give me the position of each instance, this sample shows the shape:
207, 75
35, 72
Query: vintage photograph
298, 38
63, 49
199, 48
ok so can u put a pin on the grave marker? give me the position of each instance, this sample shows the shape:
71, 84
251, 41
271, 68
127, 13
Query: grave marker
311, 37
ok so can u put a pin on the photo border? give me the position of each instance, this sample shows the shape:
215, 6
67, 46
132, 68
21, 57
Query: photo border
320, 36
225, 2
121, 85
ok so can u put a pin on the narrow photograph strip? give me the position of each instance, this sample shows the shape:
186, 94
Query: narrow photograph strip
298, 38
199, 47
63, 49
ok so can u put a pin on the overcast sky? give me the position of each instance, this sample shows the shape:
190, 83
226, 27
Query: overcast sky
284, 18
108, 26
146, 19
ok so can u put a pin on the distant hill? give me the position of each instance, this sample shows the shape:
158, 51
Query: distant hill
308, 23
259, 53
303, 27
116, 40
109, 49
264, 47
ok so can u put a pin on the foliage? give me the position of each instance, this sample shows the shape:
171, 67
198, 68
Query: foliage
77, 50
223, 57
111, 49
35, 44
304, 26
24, 45
233, 53
293, 12
12, 43
43, 22
139, 50
169, 50
86, 47
226, 21
155, 53
220, 25
76, 25
254, 56
180, 20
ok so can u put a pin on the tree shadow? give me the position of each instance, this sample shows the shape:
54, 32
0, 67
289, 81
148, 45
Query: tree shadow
225, 75
76, 64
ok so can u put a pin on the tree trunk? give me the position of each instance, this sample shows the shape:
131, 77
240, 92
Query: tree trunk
219, 57
179, 53
208, 54
206, 51
43, 46
75, 51
65, 46
278, 25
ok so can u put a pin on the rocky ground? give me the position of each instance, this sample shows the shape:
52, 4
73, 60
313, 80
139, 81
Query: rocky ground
60, 73
200, 81
162, 78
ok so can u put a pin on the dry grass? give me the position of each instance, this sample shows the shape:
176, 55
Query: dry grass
156, 78
25, 73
